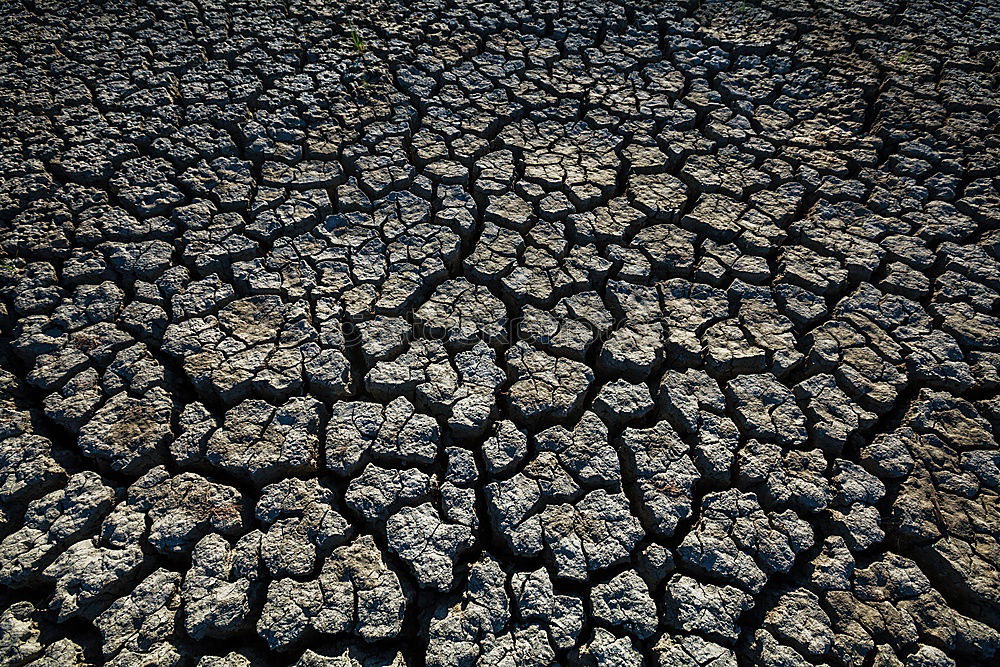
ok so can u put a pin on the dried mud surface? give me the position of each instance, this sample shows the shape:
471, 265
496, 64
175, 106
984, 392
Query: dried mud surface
507, 333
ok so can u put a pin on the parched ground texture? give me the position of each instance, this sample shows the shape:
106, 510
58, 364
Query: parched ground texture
576, 332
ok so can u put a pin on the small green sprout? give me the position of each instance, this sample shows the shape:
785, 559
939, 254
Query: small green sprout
358, 40
904, 57
7, 266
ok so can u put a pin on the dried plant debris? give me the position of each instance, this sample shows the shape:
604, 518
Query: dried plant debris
592, 332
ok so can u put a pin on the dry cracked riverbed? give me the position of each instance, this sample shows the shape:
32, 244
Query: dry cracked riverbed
499, 333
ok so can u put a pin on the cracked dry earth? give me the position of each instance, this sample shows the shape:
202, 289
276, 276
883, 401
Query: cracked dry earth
578, 332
